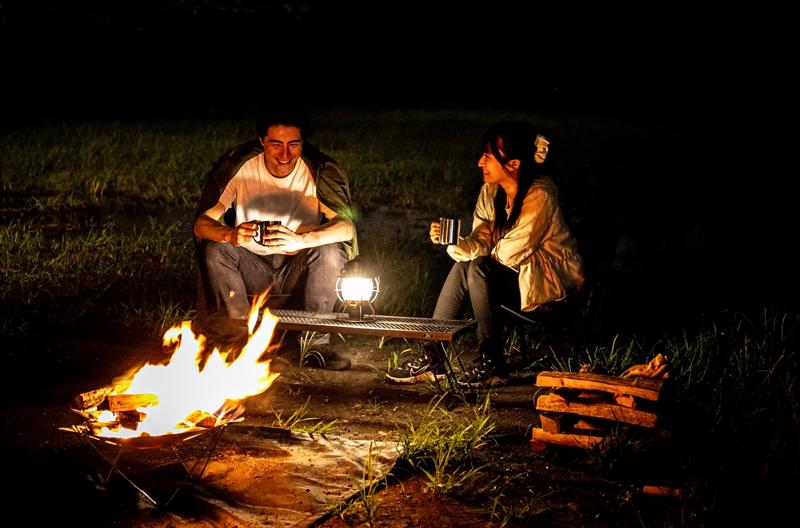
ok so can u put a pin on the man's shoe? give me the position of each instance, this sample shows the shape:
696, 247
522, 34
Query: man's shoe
483, 373
327, 358
416, 368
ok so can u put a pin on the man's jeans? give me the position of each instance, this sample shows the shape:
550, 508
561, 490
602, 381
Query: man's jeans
228, 274
485, 283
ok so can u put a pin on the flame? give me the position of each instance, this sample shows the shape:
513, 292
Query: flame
183, 388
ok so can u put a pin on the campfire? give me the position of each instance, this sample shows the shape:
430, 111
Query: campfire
193, 392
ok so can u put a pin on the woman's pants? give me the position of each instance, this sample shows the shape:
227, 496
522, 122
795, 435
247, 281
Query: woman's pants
486, 284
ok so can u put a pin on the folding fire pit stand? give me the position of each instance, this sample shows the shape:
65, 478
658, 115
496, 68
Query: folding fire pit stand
158, 442
443, 331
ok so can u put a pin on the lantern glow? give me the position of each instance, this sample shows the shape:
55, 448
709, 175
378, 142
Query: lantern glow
356, 291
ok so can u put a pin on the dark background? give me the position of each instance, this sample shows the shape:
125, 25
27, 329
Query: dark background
171, 55
711, 86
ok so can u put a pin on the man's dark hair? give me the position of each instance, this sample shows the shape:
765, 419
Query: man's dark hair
282, 114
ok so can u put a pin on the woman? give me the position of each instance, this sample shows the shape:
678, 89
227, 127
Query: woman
520, 252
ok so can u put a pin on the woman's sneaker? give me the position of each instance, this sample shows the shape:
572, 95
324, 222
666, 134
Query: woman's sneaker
483, 373
417, 368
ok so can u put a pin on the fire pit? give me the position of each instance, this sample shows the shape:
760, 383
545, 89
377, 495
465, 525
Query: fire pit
115, 448
194, 393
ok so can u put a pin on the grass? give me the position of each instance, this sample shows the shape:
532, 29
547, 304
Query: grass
92, 162
363, 507
299, 421
103, 269
439, 443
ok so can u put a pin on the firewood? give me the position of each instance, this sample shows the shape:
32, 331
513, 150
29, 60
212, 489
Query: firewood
550, 422
587, 396
608, 411
626, 400
655, 368
96, 398
97, 427
130, 402
559, 396
661, 491
572, 440
87, 400
646, 388
201, 419
130, 419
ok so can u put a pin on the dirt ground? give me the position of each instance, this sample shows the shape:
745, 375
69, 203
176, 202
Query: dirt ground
52, 470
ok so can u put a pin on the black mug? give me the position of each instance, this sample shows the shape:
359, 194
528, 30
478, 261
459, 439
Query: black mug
261, 227
450, 229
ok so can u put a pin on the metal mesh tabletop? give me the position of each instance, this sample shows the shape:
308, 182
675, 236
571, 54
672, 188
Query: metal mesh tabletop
379, 325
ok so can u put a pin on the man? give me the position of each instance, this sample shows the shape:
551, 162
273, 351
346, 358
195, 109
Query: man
276, 177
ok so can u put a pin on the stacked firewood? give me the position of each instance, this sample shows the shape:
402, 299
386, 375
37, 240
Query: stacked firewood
582, 407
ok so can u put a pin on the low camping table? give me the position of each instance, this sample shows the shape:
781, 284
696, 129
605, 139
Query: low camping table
443, 331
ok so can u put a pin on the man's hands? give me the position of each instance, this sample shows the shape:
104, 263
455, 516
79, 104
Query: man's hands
280, 239
243, 233
276, 238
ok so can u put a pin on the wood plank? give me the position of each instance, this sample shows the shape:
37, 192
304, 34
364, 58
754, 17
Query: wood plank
200, 419
97, 397
646, 388
608, 411
572, 440
626, 400
87, 400
130, 402
661, 491
550, 422
130, 419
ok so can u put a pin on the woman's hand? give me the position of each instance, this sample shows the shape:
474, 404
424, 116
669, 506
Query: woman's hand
435, 232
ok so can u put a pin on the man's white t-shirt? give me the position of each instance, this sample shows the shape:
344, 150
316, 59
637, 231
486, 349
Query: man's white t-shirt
256, 195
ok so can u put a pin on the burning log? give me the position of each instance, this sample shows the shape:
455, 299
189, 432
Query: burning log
130, 402
90, 399
192, 392
201, 419
97, 399
130, 419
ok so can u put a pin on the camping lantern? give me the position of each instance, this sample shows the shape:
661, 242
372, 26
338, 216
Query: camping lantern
356, 291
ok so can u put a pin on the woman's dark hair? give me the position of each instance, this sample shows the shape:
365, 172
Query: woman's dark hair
509, 141
282, 114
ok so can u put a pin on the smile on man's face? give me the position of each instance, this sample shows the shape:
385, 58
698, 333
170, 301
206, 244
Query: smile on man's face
283, 146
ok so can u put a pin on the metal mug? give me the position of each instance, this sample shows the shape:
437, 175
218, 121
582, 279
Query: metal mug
450, 229
261, 227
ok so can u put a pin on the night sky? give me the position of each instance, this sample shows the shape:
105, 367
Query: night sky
103, 56
715, 78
